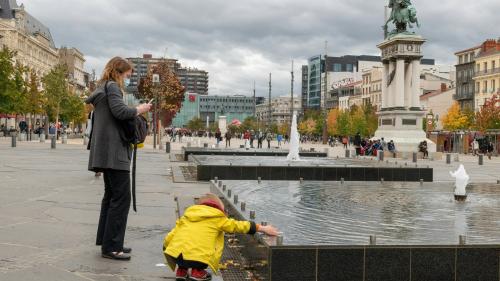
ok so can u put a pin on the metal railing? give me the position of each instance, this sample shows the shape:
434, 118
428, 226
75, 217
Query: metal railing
487, 72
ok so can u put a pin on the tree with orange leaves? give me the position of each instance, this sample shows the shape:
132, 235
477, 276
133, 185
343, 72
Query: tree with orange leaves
169, 92
489, 115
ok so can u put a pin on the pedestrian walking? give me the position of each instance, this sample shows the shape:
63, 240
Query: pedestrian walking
111, 155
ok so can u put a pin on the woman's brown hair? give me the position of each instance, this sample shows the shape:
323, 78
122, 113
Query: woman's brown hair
114, 69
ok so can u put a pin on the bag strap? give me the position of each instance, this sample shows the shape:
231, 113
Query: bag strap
134, 161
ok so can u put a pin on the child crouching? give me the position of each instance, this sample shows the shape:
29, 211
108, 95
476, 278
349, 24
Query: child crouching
197, 241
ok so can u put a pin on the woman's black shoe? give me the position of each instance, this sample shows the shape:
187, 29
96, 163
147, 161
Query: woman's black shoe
116, 256
127, 250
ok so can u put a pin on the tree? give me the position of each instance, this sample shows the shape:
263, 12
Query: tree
332, 119
55, 90
250, 123
284, 128
12, 84
34, 99
371, 119
169, 93
358, 122
307, 127
343, 123
489, 115
73, 109
195, 124
455, 119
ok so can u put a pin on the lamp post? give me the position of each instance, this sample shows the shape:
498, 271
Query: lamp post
156, 82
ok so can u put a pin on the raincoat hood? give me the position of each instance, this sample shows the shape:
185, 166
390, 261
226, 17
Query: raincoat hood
202, 212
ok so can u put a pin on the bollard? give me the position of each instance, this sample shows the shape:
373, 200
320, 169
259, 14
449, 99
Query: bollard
220, 183
301, 180
259, 179
461, 239
481, 159
64, 139
448, 158
224, 187
167, 147
264, 223
14, 141
53, 142
373, 240
229, 191
381, 180
342, 180
380, 155
216, 179
415, 155
279, 240
42, 137
498, 181
252, 215
243, 206
205, 145
235, 199
347, 153
421, 182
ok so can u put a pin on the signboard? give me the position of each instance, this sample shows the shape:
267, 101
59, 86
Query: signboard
192, 98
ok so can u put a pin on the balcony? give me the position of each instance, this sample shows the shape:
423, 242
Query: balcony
491, 71
464, 96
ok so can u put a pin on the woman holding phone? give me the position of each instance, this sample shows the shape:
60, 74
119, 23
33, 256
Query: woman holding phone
110, 155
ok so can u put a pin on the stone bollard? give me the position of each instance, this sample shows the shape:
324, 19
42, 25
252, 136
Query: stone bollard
461, 240
415, 155
373, 240
481, 159
448, 158
205, 145
229, 193
53, 142
279, 240
85, 140
456, 157
167, 147
252, 215
380, 155
347, 153
14, 141
42, 137
243, 206
224, 187
64, 139
235, 198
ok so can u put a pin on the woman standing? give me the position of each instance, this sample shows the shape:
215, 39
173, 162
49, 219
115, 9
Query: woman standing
110, 155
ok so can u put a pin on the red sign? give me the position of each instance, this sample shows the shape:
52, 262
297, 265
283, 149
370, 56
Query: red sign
192, 98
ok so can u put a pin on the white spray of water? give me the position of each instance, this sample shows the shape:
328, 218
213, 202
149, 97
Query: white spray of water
461, 180
293, 155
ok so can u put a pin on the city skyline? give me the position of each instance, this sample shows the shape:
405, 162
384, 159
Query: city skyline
243, 42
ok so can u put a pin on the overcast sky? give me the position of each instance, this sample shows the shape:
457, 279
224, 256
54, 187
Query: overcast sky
238, 41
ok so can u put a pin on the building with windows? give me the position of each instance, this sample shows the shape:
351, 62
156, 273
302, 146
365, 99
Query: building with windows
233, 107
281, 110
487, 72
193, 80
464, 77
319, 89
23, 33
371, 87
438, 103
350, 94
190, 109
74, 61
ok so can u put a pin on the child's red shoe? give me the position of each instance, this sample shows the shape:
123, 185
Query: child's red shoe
200, 275
181, 274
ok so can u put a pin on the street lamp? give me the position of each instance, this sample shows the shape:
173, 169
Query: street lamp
156, 82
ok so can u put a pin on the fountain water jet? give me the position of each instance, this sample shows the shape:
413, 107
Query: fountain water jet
461, 181
293, 155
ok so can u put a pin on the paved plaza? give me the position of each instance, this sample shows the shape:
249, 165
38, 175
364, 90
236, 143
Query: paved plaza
49, 207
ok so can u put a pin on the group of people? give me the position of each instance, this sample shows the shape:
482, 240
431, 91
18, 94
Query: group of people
370, 147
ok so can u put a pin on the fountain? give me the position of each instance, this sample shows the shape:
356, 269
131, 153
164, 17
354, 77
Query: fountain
461, 181
293, 155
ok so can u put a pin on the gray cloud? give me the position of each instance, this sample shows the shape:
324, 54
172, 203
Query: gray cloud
242, 41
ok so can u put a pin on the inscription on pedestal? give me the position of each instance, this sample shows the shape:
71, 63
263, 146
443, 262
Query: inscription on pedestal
408, 122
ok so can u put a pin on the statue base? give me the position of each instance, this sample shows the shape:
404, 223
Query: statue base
404, 127
460, 198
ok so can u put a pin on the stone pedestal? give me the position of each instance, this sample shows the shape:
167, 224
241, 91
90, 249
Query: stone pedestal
401, 116
223, 124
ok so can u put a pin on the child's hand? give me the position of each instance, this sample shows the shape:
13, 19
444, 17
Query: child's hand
269, 230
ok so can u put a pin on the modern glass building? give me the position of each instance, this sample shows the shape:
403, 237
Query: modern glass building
233, 107
190, 109
314, 82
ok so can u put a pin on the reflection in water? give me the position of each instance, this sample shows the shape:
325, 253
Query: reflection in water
397, 213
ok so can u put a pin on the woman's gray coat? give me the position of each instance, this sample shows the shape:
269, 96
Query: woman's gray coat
107, 150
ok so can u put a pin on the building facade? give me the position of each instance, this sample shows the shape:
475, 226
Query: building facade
464, 77
23, 33
233, 107
281, 110
487, 72
190, 109
371, 91
193, 80
438, 103
74, 61
305, 75
350, 94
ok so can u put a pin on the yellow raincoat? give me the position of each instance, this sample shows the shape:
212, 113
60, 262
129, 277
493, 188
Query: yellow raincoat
199, 236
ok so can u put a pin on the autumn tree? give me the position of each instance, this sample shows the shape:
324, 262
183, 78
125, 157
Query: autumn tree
343, 123
371, 119
358, 122
195, 124
56, 91
169, 93
455, 119
307, 126
332, 119
489, 115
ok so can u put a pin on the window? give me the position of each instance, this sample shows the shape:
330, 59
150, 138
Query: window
485, 66
493, 85
485, 86
349, 67
460, 59
337, 67
477, 87
493, 64
477, 67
